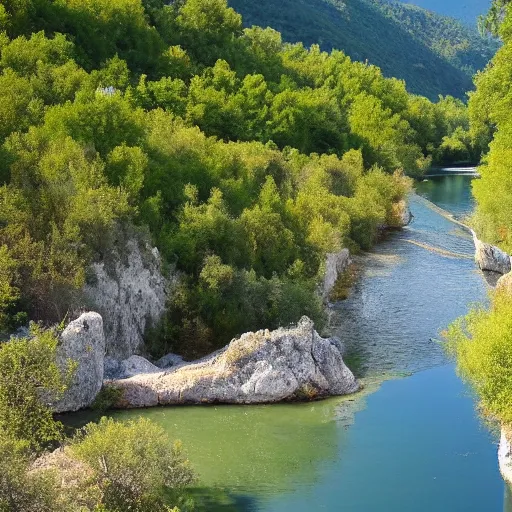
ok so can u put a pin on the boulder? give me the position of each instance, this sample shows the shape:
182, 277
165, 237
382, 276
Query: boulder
505, 283
261, 367
505, 456
129, 291
134, 365
82, 341
335, 264
490, 257
169, 361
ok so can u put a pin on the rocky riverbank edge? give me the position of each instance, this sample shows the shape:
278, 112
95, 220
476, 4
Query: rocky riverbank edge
293, 363
493, 259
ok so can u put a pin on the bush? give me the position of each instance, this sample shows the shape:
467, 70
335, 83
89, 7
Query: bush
481, 342
30, 380
135, 465
20, 489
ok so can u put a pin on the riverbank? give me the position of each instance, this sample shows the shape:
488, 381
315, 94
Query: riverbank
363, 450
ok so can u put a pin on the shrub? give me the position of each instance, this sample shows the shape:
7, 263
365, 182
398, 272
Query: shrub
30, 380
135, 465
20, 489
481, 342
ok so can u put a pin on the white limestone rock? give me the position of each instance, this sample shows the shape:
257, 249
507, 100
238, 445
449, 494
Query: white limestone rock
169, 361
505, 457
261, 367
490, 257
130, 293
82, 341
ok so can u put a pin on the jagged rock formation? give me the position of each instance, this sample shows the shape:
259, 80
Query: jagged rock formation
130, 294
83, 342
490, 257
505, 456
335, 264
259, 367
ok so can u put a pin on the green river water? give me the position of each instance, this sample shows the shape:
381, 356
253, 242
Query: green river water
411, 441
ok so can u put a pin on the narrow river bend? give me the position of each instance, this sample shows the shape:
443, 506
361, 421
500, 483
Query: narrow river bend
412, 440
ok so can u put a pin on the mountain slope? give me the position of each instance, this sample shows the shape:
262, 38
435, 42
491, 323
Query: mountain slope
464, 10
457, 43
376, 31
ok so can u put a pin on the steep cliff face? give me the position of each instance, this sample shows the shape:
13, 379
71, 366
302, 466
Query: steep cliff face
130, 293
258, 367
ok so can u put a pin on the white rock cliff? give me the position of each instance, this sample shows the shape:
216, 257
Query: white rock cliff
490, 257
130, 294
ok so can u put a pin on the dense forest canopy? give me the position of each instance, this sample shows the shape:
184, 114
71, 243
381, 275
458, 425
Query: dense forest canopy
432, 53
245, 159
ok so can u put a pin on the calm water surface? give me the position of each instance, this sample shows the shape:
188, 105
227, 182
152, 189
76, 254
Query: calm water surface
411, 441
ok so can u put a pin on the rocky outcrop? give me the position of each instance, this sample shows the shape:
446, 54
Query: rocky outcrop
84, 343
335, 264
505, 457
130, 293
259, 367
490, 257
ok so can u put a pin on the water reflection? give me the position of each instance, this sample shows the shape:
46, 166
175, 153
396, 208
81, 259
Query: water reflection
411, 286
417, 445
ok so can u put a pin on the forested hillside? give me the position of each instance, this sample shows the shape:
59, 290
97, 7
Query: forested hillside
244, 159
465, 10
433, 54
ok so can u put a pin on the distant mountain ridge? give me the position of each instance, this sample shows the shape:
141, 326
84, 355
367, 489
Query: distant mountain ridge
465, 10
432, 53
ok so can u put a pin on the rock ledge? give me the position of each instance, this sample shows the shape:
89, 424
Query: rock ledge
261, 367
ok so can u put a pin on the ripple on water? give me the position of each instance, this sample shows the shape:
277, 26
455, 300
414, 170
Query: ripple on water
413, 445
411, 287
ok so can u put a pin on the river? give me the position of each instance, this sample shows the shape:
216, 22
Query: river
411, 441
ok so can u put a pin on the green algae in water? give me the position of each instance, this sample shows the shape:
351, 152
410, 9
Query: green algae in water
254, 447
415, 444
